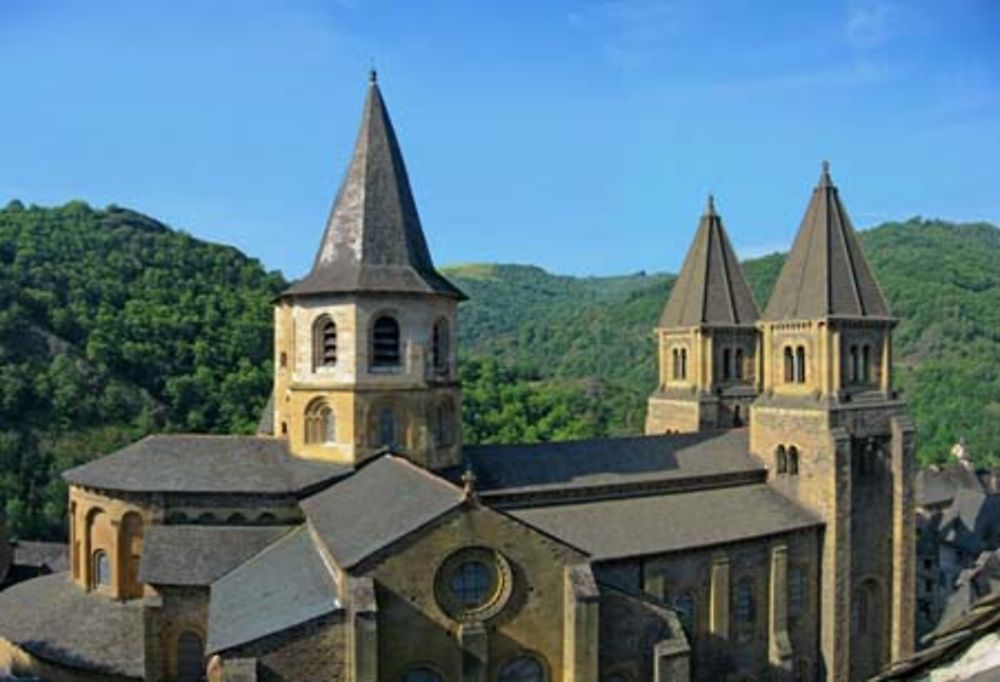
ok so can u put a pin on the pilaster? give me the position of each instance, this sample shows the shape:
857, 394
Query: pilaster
904, 547
835, 579
580, 626
779, 644
719, 605
362, 634
474, 641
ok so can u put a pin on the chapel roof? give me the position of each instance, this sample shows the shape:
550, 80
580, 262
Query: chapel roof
188, 463
826, 273
384, 501
635, 526
373, 240
200, 555
285, 585
53, 619
711, 288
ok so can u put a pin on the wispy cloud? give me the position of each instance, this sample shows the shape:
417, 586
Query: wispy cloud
632, 32
870, 23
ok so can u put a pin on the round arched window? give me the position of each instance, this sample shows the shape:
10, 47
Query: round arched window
522, 669
422, 674
471, 583
474, 583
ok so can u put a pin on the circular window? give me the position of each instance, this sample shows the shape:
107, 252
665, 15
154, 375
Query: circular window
473, 584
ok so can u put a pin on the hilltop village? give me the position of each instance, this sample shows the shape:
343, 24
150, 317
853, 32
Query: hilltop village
764, 527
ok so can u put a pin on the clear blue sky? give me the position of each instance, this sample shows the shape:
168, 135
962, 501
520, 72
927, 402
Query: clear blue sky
581, 136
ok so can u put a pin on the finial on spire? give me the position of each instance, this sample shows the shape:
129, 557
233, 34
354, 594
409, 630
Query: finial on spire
824, 178
710, 208
469, 483
826, 166
372, 75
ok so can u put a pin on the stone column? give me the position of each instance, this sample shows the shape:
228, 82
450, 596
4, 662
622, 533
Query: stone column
886, 376
766, 380
718, 624
362, 635
580, 623
837, 375
779, 644
475, 651
904, 546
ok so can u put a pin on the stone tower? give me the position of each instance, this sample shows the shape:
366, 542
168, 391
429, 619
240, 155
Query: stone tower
706, 340
836, 437
365, 343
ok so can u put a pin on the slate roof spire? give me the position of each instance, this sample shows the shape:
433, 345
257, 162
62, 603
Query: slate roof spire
711, 288
373, 240
826, 273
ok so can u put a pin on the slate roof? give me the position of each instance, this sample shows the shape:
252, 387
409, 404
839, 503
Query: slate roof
205, 464
52, 557
711, 288
384, 501
265, 425
603, 462
373, 239
53, 619
938, 485
635, 526
826, 273
200, 555
285, 585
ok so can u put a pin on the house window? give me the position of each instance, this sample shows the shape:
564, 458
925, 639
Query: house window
793, 461
102, 569
324, 342
727, 364
684, 363
781, 458
789, 365
855, 374
385, 342
745, 608
800, 365
321, 424
386, 435
444, 424
740, 373
472, 584
522, 669
422, 674
190, 657
796, 591
439, 346
866, 364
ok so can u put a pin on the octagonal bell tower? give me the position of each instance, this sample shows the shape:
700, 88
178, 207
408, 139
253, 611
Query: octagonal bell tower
365, 343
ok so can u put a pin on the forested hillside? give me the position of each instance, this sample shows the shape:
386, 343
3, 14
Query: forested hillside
113, 325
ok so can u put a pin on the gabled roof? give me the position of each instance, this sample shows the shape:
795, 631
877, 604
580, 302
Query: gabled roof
826, 273
384, 501
711, 288
635, 526
285, 585
188, 463
373, 240
200, 555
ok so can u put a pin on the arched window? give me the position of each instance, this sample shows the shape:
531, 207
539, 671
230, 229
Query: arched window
684, 606
793, 461
190, 657
522, 669
237, 519
207, 519
177, 517
267, 519
387, 428
101, 569
745, 607
800, 364
321, 425
385, 342
324, 342
740, 370
422, 674
855, 374
677, 364
440, 347
444, 424
866, 363
684, 363
789, 365
727, 364
781, 460
130, 549
737, 417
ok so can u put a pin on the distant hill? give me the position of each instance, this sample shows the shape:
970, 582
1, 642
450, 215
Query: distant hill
113, 325
941, 279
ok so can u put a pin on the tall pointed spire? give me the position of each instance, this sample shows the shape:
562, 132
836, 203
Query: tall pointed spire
826, 273
373, 240
711, 288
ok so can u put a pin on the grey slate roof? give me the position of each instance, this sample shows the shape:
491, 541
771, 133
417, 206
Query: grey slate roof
826, 273
184, 463
52, 618
265, 426
381, 503
285, 585
711, 288
938, 485
609, 461
200, 555
373, 239
52, 557
636, 526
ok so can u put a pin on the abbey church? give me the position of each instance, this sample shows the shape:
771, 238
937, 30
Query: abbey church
761, 529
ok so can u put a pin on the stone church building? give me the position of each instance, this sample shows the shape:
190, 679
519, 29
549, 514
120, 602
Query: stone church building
762, 529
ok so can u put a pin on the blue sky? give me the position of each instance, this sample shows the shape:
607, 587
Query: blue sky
580, 136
